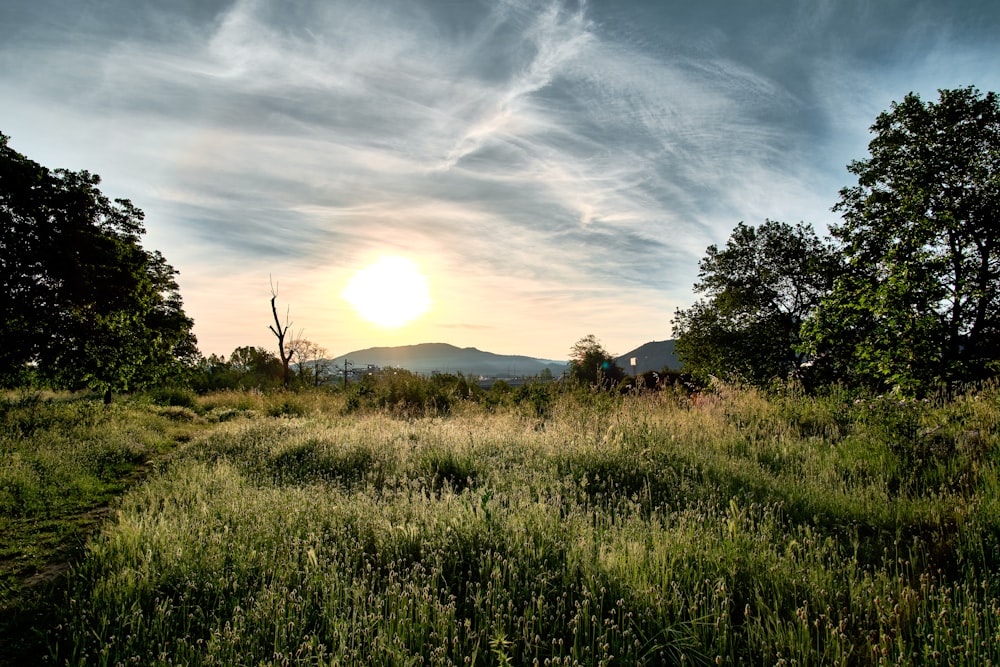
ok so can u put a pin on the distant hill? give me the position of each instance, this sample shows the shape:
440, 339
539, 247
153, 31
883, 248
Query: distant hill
653, 356
444, 358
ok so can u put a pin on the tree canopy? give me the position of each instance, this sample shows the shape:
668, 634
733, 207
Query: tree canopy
82, 304
591, 364
918, 303
758, 290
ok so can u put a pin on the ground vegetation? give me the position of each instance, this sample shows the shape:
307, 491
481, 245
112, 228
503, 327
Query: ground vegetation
649, 527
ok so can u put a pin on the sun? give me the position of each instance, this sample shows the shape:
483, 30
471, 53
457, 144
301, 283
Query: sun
390, 292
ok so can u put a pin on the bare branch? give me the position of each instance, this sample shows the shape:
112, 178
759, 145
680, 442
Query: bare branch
280, 331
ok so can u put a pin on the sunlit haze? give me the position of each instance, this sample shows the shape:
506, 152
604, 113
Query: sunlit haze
390, 292
553, 169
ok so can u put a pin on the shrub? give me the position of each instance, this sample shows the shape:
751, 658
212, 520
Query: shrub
286, 407
538, 397
173, 397
401, 392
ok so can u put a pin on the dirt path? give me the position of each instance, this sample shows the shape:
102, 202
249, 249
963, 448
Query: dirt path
32, 581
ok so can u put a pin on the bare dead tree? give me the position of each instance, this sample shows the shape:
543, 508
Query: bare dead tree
280, 332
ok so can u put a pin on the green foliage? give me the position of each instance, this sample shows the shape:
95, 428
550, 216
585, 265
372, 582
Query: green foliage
80, 300
537, 396
758, 289
62, 459
173, 397
408, 394
591, 364
446, 468
918, 304
287, 407
734, 527
534, 398
247, 368
456, 385
58, 454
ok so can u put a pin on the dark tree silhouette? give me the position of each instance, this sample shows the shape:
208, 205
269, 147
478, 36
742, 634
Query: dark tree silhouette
82, 304
280, 331
590, 363
759, 289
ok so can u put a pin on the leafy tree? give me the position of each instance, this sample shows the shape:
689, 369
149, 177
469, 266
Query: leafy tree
590, 363
213, 373
247, 367
257, 367
759, 289
919, 302
82, 302
313, 365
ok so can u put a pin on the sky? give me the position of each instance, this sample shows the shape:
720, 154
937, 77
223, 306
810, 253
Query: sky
552, 169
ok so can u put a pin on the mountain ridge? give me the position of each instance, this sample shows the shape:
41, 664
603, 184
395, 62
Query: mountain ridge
447, 358
651, 356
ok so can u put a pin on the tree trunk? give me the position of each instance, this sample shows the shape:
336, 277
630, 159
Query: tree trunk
279, 332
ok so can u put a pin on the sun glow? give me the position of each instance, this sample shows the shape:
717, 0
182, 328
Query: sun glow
390, 292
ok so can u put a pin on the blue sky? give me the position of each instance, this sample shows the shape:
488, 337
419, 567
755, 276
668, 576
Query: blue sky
554, 168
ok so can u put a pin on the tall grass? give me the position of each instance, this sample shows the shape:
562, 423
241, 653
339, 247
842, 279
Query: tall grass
60, 453
643, 529
63, 458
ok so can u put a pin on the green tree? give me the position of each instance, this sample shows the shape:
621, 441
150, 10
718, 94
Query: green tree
213, 373
82, 302
591, 364
313, 365
919, 304
758, 290
256, 367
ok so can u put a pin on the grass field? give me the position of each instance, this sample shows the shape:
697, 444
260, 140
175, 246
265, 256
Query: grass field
572, 529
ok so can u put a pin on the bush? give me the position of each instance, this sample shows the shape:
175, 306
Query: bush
288, 407
174, 397
538, 397
404, 393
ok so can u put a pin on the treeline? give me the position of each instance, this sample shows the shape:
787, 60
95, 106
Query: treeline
903, 295
258, 368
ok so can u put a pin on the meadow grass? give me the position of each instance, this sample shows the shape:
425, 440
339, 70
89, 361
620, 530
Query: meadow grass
64, 454
63, 458
739, 528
